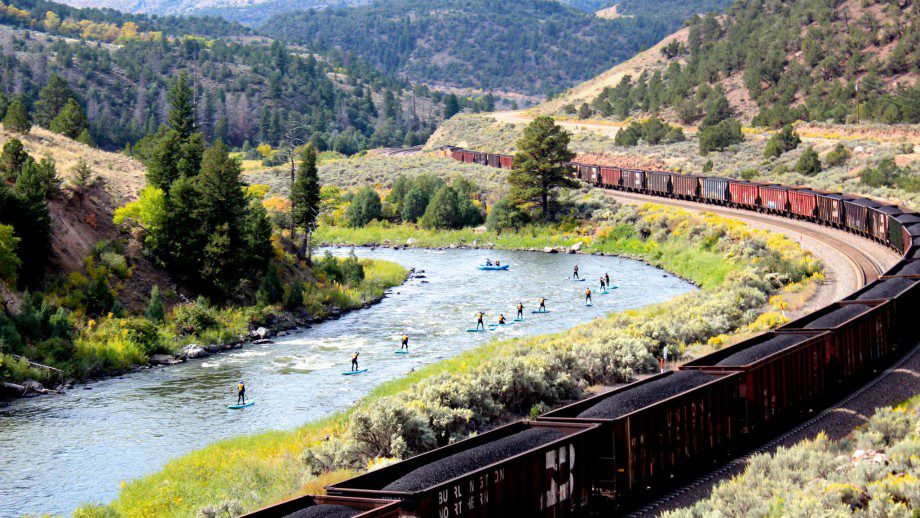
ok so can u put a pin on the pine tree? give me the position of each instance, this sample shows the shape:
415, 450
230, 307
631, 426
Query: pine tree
71, 121
270, 289
82, 177
51, 100
414, 204
155, 311
364, 208
85, 138
182, 107
451, 106
538, 166
809, 163
17, 118
305, 198
222, 199
11, 159
444, 210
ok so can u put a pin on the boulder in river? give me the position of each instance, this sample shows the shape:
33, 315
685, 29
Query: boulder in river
194, 351
259, 332
549, 250
212, 348
576, 247
164, 359
411, 241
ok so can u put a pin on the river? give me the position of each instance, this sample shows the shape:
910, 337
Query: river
58, 452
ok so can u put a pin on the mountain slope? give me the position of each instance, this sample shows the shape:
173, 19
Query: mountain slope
248, 89
525, 46
776, 62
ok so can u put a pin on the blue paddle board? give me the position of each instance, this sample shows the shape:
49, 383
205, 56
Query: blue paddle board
475, 330
518, 319
401, 352
349, 373
237, 407
579, 280
538, 312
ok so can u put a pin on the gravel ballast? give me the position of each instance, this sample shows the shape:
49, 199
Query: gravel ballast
886, 289
762, 350
837, 317
634, 398
325, 511
472, 459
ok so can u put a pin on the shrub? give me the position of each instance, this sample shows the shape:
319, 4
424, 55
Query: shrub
750, 174
782, 141
808, 164
270, 289
193, 318
885, 174
505, 215
837, 156
294, 298
720, 136
364, 208
444, 210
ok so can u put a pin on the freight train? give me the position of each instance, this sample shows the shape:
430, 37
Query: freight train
616, 449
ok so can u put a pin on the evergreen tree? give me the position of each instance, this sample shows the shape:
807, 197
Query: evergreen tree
398, 192
294, 299
17, 118
85, 138
504, 215
538, 166
37, 180
82, 177
414, 204
270, 289
182, 104
51, 100
809, 163
720, 136
155, 311
364, 208
444, 209
71, 121
451, 106
4, 104
305, 198
32, 224
11, 159
782, 141
181, 238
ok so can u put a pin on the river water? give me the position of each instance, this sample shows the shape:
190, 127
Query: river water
58, 452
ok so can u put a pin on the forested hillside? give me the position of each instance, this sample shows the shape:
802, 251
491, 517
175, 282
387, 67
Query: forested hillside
247, 89
777, 62
525, 46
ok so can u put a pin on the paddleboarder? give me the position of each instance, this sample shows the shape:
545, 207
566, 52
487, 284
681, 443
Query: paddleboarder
575, 273
241, 393
354, 362
603, 284
405, 343
520, 308
501, 319
479, 320
607, 277
542, 304
588, 296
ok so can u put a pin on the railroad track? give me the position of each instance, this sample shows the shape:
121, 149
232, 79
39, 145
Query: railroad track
868, 262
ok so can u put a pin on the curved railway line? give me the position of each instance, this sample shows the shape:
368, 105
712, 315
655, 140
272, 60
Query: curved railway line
679, 432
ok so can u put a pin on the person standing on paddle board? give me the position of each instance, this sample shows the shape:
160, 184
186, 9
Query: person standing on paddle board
354, 362
603, 284
607, 278
479, 320
241, 393
405, 343
520, 309
588, 296
542, 304
575, 273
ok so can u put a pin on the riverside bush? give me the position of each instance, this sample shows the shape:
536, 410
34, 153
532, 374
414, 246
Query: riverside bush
821, 477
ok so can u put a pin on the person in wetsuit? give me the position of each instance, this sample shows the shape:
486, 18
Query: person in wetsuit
479, 320
405, 343
603, 284
520, 308
241, 393
501, 319
575, 273
588, 296
488, 262
607, 278
542, 304
354, 362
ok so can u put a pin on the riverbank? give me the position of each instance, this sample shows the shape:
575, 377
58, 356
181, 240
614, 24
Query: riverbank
739, 268
215, 330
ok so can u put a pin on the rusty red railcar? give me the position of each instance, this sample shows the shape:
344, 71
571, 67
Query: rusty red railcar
468, 157
362, 507
611, 176
494, 160
774, 198
549, 480
830, 208
743, 194
862, 336
685, 186
639, 450
457, 155
856, 214
506, 161
781, 374
803, 203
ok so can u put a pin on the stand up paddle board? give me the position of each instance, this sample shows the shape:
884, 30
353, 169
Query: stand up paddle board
538, 312
475, 330
518, 319
579, 280
237, 407
349, 373
401, 352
